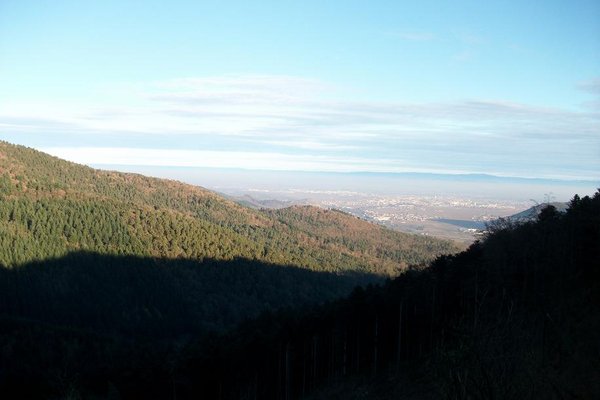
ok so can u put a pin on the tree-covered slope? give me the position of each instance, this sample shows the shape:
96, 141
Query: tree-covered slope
515, 316
146, 298
49, 207
342, 232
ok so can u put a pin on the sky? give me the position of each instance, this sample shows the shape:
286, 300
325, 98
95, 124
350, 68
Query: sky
508, 88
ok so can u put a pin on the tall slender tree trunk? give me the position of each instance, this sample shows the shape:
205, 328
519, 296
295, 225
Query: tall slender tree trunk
432, 318
357, 349
399, 341
255, 385
375, 345
345, 352
280, 373
315, 360
332, 356
288, 371
304, 359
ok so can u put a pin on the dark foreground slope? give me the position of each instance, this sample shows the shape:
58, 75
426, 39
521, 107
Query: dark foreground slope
50, 207
515, 316
105, 276
77, 325
150, 299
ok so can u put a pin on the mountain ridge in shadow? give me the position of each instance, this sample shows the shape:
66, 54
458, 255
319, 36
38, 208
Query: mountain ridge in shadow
156, 297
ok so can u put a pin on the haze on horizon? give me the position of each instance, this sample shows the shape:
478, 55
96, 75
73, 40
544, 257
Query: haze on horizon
505, 88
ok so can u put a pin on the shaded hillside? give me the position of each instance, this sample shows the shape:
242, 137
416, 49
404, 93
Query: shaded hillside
69, 324
50, 206
159, 298
515, 316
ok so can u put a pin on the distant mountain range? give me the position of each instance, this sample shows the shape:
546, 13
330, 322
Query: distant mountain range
470, 177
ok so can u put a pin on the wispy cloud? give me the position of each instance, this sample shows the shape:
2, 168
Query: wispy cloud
216, 159
591, 86
310, 145
275, 122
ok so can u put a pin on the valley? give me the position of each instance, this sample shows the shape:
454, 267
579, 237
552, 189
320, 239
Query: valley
305, 200
60, 222
461, 219
119, 285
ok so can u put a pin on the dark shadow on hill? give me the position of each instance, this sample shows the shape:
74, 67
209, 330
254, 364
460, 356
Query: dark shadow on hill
514, 316
92, 323
160, 298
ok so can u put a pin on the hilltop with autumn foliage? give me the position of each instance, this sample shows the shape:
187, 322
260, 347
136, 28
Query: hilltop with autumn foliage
51, 207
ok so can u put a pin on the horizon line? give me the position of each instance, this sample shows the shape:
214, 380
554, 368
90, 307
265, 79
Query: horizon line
467, 175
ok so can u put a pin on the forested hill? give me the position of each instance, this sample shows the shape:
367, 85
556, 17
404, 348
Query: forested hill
516, 316
50, 207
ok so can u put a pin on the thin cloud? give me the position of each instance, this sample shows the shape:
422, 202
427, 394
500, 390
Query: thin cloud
590, 86
215, 159
255, 160
248, 112
308, 145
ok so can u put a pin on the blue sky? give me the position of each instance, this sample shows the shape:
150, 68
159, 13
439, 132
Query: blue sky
509, 88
